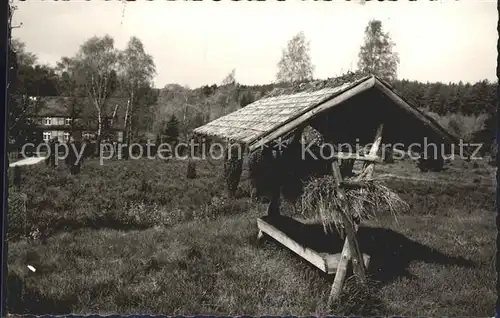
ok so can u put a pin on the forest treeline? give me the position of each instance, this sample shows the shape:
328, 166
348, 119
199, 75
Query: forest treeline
467, 110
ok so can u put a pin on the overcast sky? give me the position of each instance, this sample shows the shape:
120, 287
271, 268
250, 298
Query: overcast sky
198, 43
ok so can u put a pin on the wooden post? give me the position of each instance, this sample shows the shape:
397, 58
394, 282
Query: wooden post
339, 279
368, 168
351, 250
273, 209
358, 265
355, 253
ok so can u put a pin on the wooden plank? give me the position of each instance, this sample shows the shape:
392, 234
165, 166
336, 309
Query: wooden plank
260, 235
345, 156
306, 253
280, 131
333, 261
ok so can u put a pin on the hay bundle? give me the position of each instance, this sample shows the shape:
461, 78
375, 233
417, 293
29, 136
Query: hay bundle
361, 200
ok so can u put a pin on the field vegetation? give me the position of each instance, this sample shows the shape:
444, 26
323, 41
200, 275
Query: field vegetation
140, 237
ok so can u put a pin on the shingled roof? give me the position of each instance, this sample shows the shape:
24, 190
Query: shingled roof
274, 116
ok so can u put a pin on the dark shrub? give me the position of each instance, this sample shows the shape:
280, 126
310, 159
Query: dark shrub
17, 215
73, 162
388, 155
260, 166
233, 167
291, 166
430, 164
191, 169
16, 176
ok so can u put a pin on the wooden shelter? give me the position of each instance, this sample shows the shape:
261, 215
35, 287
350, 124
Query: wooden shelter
362, 111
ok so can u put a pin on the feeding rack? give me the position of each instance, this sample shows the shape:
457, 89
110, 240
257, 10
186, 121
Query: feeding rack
352, 108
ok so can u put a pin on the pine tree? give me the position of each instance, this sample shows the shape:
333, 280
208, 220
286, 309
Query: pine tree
171, 132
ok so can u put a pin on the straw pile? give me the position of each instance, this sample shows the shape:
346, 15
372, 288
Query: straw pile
359, 201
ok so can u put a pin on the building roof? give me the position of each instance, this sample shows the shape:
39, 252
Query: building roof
370, 99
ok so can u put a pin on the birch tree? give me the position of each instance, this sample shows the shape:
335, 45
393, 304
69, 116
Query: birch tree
295, 64
376, 56
227, 94
71, 90
95, 67
137, 70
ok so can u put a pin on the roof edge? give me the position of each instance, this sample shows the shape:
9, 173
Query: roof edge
386, 88
362, 85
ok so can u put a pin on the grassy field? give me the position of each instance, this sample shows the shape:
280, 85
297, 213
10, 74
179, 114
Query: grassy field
138, 237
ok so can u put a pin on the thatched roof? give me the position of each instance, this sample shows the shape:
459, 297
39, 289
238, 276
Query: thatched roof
368, 100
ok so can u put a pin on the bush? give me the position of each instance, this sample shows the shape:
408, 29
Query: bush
15, 176
261, 173
430, 164
233, 167
119, 195
191, 169
462, 126
17, 216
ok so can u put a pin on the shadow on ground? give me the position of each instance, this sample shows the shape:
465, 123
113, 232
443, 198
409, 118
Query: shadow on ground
22, 300
391, 252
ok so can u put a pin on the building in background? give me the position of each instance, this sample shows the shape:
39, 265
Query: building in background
57, 120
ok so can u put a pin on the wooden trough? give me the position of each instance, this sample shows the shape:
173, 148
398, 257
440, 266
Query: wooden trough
327, 262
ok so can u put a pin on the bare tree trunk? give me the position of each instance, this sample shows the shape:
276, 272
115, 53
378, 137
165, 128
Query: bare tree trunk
184, 115
125, 129
99, 133
114, 115
129, 124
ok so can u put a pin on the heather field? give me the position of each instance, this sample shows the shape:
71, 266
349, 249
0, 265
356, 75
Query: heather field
139, 237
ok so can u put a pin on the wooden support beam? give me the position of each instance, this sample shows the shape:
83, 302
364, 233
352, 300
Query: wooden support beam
341, 273
336, 173
304, 252
377, 142
326, 262
368, 168
355, 251
351, 249
355, 156
273, 209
